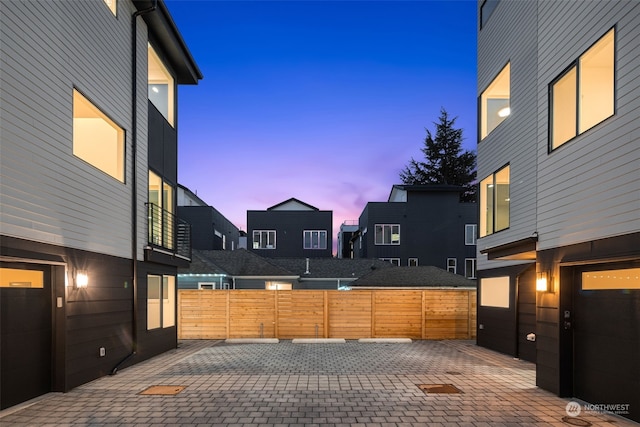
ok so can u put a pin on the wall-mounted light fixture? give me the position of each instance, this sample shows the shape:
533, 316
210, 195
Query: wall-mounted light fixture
542, 281
82, 279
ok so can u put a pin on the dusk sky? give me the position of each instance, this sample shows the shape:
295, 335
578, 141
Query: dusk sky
322, 101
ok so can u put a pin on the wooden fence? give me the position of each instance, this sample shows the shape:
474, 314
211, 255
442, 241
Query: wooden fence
417, 314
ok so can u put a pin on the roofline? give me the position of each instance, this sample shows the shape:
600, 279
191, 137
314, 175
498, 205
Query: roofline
409, 288
264, 277
192, 194
293, 199
426, 188
164, 29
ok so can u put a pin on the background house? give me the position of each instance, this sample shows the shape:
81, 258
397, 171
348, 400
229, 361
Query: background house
412, 278
558, 160
329, 273
290, 229
210, 230
420, 225
347, 230
89, 241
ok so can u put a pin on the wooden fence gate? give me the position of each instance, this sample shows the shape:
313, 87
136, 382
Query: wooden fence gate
417, 314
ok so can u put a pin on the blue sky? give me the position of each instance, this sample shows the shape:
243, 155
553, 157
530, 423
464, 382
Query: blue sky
322, 101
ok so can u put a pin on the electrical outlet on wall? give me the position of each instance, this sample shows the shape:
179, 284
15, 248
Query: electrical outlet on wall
103, 352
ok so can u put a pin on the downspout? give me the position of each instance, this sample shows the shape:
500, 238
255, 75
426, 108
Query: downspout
134, 182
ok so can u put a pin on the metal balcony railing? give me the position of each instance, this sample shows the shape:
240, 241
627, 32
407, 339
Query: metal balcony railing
169, 232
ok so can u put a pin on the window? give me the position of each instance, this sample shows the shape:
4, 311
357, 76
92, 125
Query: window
161, 301
161, 218
111, 4
19, 278
452, 265
494, 202
315, 239
495, 102
278, 286
413, 262
264, 239
611, 279
470, 268
96, 138
584, 94
160, 86
487, 8
206, 285
387, 234
394, 261
470, 233
494, 292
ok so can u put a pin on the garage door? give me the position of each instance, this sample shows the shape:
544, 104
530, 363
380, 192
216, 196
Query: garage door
25, 332
607, 338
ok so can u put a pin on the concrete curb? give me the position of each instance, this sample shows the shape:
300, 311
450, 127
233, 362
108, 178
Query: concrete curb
318, 341
252, 341
385, 340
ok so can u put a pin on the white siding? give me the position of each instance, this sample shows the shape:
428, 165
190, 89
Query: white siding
46, 193
590, 187
510, 36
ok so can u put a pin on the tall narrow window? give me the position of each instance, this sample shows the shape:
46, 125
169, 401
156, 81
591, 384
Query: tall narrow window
161, 218
470, 232
160, 86
495, 102
96, 138
495, 202
413, 262
161, 301
452, 265
470, 268
583, 96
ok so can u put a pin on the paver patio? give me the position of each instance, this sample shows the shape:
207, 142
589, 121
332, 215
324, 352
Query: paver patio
286, 384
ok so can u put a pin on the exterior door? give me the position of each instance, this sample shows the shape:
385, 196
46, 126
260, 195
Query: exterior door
25, 332
606, 337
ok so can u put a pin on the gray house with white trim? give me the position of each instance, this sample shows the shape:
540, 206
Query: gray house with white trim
89, 241
559, 173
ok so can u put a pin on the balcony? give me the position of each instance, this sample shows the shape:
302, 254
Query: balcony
169, 237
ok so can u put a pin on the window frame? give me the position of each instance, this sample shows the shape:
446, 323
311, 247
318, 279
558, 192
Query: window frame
575, 66
482, 109
394, 261
470, 230
413, 259
494, 208
474, 268
266, 246
155, 58
121, 135
112, 5
484, 17
163, 321
391, 234
454, 265
321, 245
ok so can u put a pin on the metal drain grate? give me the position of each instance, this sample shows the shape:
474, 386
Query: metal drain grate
575, 421
439, 388
165, 390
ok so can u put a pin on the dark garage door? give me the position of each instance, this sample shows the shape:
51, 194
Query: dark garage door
25, 332
606, 343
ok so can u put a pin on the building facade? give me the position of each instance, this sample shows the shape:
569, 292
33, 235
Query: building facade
420, 225
291, 229
89, 241
558, 166
210, 230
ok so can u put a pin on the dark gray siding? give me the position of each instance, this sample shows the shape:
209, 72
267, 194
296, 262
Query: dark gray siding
290, 226
205, 222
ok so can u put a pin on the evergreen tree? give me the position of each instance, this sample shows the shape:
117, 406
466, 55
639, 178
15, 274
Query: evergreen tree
445, 162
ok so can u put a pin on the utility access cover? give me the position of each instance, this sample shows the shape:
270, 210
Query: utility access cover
165, 390
439, 388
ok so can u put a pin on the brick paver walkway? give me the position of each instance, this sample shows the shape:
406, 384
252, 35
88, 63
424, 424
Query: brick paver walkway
286, 384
